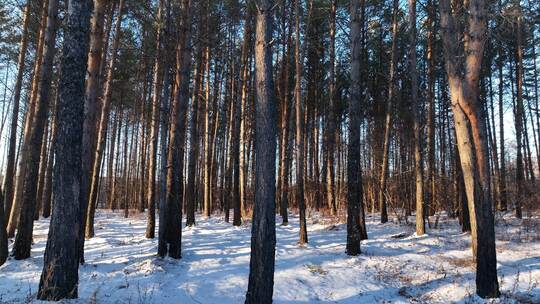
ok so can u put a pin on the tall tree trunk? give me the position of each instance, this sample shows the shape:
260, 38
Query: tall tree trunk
299, 148
430, 142
90, 111
519, 117
418, 165
191, 194
263, 233
59, 279
285, 122
128, 145
116, 125
354, 175
243, 113
102, 132
331, 130
502, 179
9, 177
471, 134
16, 204
23, 240
388, 119
207, 194
154, 122
170, 238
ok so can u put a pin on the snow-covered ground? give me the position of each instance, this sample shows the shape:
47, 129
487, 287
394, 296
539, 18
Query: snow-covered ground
395, 266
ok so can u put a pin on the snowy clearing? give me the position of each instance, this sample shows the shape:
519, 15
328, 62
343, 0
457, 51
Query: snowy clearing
395, 266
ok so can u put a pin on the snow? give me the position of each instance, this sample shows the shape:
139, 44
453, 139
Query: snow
395, 266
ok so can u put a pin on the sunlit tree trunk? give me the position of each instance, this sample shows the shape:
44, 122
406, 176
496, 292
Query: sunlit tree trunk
103, 125
23, 239
263, 234
463, 68
418, 165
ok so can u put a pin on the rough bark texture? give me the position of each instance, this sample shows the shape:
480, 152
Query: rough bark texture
300, 147
354, 177
463, 62
90, 112
102, 133
154, 124
59, 279
418, 166
23, 240
16, 204
170, 237
263, 233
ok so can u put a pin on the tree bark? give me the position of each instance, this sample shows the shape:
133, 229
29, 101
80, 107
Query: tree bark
263, 234
300, 144
23, 239
16, 204
418, 165
331, 130
9, 177
102, 133
3, 233
518, 119
47, 188
471, 134
388, 119
59, 279
154, 122
170, 238
354, 175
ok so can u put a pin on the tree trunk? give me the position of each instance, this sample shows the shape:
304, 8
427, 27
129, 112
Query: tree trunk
47, 188
16, 203
299, 149
23, 240
102, 133
354, 175
3, 233
471, 135
170, 238
331, 130
518, 119
191, 194
263, 234
502, 178
42, 170
59, 279
430, 142
90, 112
418, 165
388, 119
244, 95
9, 177
154, 122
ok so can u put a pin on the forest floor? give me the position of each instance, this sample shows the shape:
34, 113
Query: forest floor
395, 265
